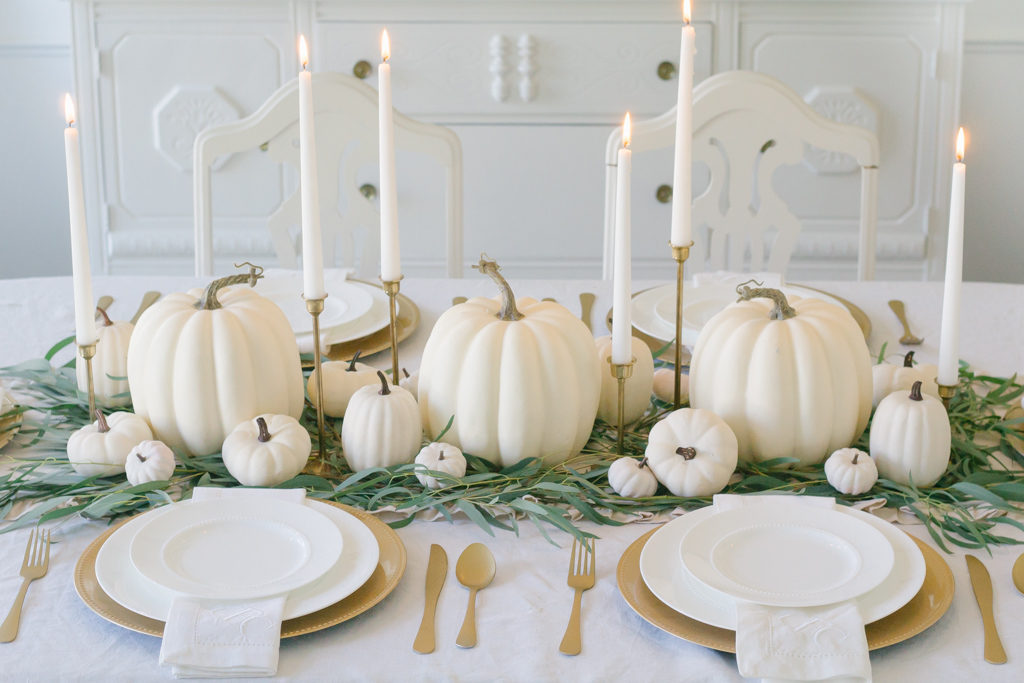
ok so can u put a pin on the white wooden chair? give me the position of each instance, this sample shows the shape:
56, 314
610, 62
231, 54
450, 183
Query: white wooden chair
746, 125
346, 113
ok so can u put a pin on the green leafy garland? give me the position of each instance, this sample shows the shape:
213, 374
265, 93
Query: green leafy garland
544, 495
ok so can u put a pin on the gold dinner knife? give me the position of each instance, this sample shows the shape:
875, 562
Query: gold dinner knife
437, 570
981, 582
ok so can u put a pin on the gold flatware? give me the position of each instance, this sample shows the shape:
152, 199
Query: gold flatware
104, 302
34, 566
456, 300
582, 570
587, 300
148, 299
1018, 573
981, 582
437, 570
907, 339
474, 570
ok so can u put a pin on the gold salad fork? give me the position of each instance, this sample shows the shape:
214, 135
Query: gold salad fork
582, 570
34, 566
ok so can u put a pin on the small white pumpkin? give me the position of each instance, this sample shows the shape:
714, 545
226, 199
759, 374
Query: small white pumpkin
149, 461
439, 457
910, 437
888, 377
101, 448
409, 382
341, 380
632, 478
693, 452
110, 362
382, 427
267, 450
638, 385
851, 471
665, 386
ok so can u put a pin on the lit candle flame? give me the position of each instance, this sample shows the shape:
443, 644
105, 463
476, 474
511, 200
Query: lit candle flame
960, 145
627, 131
303, 52
686, 11
69, 109
385, 46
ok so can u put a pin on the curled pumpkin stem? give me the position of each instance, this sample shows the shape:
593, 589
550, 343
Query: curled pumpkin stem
352, 363
106, 318
508, 299
782, 310
264, 430
101, 422
643, 464
915, 391
688, 452
384, 388
908, 360
209, 301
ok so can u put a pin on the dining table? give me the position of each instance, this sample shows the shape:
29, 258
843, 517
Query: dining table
522, 614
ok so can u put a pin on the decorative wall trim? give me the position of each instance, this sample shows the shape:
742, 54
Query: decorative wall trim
984, 47
34, 51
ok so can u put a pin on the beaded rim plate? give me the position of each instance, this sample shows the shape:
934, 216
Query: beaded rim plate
923, 610
390, 568
408, 321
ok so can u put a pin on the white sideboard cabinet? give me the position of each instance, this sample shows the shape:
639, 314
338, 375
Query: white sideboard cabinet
533, 88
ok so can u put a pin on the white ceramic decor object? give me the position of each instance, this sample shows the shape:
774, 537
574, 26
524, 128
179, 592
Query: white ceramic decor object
638, 385
439, 457
665, 386
851, 471
267, 450
381, 427
910, 437
341, 380
102, 447
109, 365
692, 452
887, 378
632, 478
149, 461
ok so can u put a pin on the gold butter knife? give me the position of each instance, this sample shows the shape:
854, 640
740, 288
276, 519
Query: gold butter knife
981, 582
437, 570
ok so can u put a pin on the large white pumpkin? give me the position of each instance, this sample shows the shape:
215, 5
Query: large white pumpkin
521, 377
791, 380
202, 362
638, 385
109, 365
910, 437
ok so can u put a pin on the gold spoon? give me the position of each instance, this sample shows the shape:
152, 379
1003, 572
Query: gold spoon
907, 339
1018, 573
474, 570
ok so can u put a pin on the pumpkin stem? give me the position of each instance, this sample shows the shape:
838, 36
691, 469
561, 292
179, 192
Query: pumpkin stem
101, 422
208, 301
352, 363
264, 430
782, 310
688, 453
908, 360
384, 389
440, 456
508, 299
856, 454
915, 392
106, 318
405, 372
643, 463
139, 456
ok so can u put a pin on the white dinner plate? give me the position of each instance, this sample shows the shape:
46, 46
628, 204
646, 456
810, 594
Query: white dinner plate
346, 301
126, 586
236, 549
375, 318
668, 579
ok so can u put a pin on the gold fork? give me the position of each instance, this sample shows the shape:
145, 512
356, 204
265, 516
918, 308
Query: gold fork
582, 570
34, 566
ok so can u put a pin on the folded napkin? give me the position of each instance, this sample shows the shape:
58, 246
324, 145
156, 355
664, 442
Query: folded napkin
727, 278
798, 643
226, 638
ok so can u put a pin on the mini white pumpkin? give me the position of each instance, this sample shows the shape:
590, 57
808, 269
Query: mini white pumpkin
149, 461
888, 377
665, 386
638, 385
110, 362
910, 437
440, 457
8, 425
851, 471
341, 380
101, 448
267, 450
410, 382
382, 427
693, 452
632, 478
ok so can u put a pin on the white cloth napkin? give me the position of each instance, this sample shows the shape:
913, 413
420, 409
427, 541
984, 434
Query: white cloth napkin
226, 638
798, 643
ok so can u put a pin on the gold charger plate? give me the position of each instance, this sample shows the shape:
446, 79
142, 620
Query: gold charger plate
385, 577
923, 610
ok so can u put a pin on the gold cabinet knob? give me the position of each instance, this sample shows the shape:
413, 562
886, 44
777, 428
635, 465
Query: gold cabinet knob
663, 193
666, 71
368, 191
362, 69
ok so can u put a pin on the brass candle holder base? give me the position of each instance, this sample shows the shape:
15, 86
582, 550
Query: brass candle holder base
87, 351
391, 288
315, 308
621, 372
946, 392
680, 254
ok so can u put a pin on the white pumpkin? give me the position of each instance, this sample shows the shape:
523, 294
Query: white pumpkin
410, 382
341, 380
791, 380
439, 457
149, 461
910, 437
8, 425
382, 427
638, 385
203, 362
267, 450
693, 452
102, 447
109, 365
851, 471
665, 386
632, 478
521, 378
888, 377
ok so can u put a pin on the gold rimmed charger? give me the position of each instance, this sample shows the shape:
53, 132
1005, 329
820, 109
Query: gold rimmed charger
923, 610
390, 568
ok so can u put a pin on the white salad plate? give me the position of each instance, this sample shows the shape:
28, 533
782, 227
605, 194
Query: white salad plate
375, 318
236, 549
346, 301
130, 589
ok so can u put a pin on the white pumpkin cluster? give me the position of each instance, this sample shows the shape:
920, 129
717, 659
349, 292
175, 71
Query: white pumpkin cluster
888, 378
102, 447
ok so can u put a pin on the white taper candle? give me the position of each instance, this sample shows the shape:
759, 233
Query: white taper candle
390, 253
81, 274
682, 231
312, 243
622, 331
949, 341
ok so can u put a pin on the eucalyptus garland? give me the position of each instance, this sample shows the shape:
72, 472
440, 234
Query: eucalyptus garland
986, 472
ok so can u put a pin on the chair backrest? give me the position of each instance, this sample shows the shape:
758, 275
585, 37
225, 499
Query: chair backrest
745, 126
347, 139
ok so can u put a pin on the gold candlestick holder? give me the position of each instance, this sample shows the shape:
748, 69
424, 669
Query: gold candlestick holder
315, 308
87, 351
621, 372
391, 288
946, 392
680, 254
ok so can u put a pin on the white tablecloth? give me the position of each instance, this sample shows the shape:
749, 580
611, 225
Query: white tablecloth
521, 617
